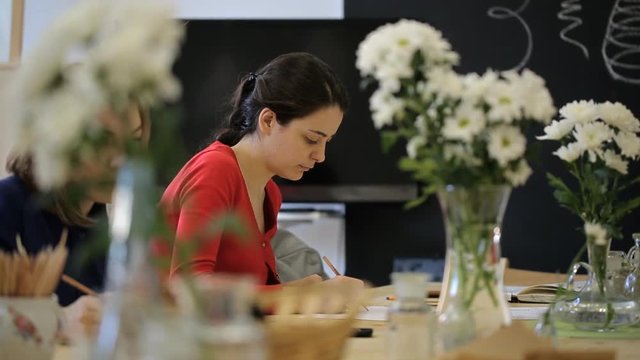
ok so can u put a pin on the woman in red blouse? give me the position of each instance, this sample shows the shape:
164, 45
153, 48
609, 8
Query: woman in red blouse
282, 119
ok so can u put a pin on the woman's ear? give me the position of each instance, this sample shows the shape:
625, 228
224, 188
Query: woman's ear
266, 121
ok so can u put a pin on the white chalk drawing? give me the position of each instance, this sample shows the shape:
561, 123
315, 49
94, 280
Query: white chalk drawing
569, 8
621, 45
501, 13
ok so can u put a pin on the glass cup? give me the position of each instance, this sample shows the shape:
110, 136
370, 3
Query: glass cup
617, 271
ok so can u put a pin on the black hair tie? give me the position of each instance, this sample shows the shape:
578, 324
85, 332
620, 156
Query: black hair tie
252, 77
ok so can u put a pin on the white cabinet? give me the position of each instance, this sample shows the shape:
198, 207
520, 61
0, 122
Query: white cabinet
321, 226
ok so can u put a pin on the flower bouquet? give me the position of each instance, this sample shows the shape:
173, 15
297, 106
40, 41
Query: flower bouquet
464, 139
100, 65
598, 143
99, 57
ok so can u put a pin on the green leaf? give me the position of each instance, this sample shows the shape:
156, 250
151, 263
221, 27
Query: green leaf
625, 207
388, 139
564, 195
416, 202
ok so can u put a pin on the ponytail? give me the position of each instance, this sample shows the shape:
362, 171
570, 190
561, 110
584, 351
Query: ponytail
240, 120
292, 85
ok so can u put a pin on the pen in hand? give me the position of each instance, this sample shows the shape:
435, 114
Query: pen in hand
335, 272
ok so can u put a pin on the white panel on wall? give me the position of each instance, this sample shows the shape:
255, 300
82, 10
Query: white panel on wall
260, 9
5, 29
38, 15
7, 119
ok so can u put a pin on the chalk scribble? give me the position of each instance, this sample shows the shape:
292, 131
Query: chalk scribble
621, 45
568, 13
502, 13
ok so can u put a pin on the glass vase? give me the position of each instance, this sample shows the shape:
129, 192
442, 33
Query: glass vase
136, 321
472, 302
594, 307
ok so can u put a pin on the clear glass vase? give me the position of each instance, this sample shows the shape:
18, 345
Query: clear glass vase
136, 321
594, 307
472, 303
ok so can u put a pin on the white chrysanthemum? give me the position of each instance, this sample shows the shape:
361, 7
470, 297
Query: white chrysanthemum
580, 111
570, 153
615, 161
592, 135
617, 115
120, 63
506, 143
537, 102
467, 122
97, 55
461, 153
475, 86
629, 144
596, 233
414, 144
384, 107
443, 82
391, 47
50, 145
421, 125
504, 105
520, 174
557, 130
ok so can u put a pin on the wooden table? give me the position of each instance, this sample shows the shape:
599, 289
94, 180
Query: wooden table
373, 348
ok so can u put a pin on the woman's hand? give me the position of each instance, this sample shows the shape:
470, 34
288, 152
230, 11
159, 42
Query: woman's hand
83, 315
347, 281
308, 280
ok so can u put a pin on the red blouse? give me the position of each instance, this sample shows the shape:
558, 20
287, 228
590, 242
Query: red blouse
207, 187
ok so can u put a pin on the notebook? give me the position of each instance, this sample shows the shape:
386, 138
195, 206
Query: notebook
540, 293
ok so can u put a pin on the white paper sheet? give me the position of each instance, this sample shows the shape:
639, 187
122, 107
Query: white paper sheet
527, 312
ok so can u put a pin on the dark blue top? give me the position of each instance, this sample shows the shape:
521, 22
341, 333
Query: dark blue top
20, 213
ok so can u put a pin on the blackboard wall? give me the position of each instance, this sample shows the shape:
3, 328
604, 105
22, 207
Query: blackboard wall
537, 234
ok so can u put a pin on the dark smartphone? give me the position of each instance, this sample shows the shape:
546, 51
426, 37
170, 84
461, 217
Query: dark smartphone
362, 332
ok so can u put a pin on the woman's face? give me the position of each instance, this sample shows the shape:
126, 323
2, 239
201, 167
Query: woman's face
295, 148
100, 170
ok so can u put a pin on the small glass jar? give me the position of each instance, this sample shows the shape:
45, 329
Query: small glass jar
632, 282
617, 271
411, 326
227, 329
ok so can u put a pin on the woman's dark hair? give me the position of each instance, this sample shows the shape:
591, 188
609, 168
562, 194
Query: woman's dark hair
292, 85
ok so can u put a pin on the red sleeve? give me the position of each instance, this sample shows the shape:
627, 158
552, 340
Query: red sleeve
204, 198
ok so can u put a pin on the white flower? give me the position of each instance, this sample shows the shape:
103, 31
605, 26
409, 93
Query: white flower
615, 161
570, 152
421, 125
596, 233
519, 175
414, 144
49, 144
592, 135
617, 115
506, 143
98, 55
537, 101
629, 144
476, 87
580, 111
557, 130
443, 82
467, 122
384, 107
388, 51
504, 105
